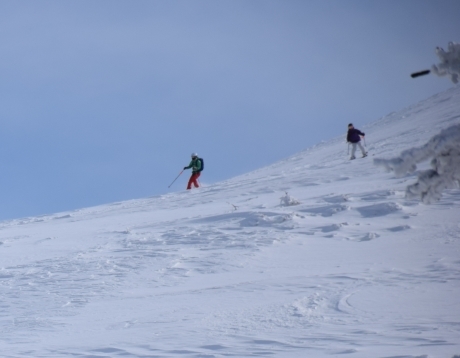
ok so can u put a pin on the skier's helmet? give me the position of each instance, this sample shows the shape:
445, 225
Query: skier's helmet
194, 155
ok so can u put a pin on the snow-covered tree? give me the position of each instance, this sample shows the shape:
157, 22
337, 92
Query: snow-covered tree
444, 151
450, 62
288, 200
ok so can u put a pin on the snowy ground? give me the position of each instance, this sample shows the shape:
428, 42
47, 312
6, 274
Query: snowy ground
228, 270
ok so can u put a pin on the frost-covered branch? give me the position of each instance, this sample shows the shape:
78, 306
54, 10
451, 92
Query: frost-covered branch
450, 62
444, 149
288, 200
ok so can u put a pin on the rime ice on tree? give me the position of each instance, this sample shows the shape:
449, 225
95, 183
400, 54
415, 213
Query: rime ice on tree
450, 62
288, 200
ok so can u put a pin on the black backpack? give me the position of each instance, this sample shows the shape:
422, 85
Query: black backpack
202, 163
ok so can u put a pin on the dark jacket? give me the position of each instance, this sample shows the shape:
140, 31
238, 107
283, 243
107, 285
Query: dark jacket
353, 135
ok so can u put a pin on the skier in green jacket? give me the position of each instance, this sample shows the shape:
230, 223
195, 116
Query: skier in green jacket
197, 166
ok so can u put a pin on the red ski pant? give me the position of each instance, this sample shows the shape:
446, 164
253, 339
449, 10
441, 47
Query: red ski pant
193, 180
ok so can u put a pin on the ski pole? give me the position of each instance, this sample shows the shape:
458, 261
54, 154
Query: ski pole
175, 179
348, 148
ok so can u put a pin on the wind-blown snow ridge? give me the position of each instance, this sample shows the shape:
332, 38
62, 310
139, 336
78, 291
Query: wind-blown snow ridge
444, 149
235, 269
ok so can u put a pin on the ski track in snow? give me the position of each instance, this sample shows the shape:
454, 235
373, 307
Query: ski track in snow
353, 269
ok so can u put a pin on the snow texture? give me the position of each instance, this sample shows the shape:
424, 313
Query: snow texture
444, 151
450, 62
354, 269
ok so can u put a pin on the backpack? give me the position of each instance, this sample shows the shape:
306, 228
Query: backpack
202, 163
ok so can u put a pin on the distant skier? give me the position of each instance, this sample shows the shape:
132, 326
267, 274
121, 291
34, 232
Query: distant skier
354, 137
197, 166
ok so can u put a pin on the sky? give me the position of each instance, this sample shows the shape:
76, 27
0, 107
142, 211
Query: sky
104, 101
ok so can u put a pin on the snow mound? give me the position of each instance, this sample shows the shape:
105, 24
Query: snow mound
444, 149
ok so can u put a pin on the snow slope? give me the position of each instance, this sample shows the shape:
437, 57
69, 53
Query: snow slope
230, 270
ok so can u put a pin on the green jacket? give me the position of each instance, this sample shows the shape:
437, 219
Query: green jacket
195, 164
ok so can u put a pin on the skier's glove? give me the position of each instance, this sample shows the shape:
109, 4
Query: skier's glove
185, 168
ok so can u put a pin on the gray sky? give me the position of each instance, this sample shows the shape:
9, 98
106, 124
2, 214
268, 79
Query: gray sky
103, 101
